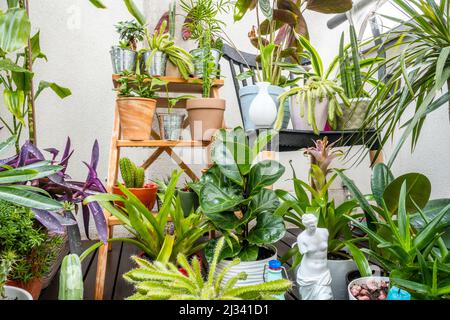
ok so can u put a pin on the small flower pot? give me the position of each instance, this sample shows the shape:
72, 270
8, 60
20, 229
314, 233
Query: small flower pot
146, 195
136, 117
123, 59
34, 286
205, 117
189, 201
170, 125
300, 122
353, 116
198, 59
155, 65
15, 293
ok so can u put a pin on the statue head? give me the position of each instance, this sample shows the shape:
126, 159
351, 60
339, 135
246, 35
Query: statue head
310, 222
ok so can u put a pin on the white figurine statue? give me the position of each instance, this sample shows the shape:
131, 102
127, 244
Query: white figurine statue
313, 275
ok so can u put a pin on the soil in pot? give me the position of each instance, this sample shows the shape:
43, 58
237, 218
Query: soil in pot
146, 195
205, 117
136, 117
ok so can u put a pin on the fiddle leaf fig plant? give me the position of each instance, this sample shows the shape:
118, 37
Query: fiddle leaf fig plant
233, 195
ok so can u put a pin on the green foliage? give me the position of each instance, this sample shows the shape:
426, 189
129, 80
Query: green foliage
232, 194
138, 85
163, 281
150, 230
133, 176
22, 234
415, 256
71, 279
130, 32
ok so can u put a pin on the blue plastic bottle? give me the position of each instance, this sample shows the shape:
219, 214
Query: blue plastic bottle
274, 272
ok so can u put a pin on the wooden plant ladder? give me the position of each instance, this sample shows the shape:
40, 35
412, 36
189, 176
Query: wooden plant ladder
175, 85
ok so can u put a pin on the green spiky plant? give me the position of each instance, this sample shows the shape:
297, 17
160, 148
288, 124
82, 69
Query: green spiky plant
158, 281
132, 175
6, 263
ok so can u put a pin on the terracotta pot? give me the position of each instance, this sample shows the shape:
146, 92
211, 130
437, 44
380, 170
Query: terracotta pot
136, 117
205, 117
146, 195
33, 286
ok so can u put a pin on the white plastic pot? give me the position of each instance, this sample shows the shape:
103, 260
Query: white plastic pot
361, 281
14, 293
339, 270
254, 270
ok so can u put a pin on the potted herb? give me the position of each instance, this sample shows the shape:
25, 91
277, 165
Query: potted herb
7, 260
353, 80
174, 285
33, 245
205, 114
124, 56
330, 216
160, 49
134, 179
316, 101
171, 123
137, 104
204, 27
234, 199
406, 231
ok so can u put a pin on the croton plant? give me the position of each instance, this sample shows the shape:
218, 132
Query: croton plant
233, 195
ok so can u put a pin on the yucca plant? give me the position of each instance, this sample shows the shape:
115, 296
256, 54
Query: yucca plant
159, 281
318, 87
422, 67
161, 41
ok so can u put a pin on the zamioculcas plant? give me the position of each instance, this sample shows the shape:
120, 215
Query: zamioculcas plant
159, 281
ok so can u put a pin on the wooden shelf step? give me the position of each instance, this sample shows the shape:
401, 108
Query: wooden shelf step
163, 143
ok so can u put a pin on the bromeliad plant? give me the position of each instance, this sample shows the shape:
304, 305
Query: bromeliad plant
150, 231
159, 281
317, 88
233, 196
414, 253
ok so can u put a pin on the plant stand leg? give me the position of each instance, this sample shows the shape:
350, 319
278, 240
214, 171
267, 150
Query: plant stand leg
102, 261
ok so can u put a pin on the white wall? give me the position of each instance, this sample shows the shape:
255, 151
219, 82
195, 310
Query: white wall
76, 38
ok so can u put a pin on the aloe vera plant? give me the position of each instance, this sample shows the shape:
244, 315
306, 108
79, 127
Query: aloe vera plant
159, 281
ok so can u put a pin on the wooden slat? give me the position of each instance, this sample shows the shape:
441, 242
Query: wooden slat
113, 221
163, 143
122, 288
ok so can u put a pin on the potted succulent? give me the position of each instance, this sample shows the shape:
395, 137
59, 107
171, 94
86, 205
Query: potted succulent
160, 49
7, 260
352, 80
189, 199
175, 285
33, 246
315, 102
134, 179
234, 199
205, 114
124, 56
403, 228
137, 104
204, 27
171, 123
330, 216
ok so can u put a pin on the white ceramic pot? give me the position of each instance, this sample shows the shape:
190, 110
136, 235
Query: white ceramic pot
263, 110
339, 270
362, 280
254, 270
14, 293
354, 115
301, 123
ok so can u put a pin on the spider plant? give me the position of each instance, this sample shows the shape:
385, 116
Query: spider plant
424, 68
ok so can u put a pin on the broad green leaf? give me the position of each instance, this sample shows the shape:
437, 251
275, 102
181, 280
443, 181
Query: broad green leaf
225, 220
268, 229
266, 8
23, 175
36, 52
431, 210
14, 30
8, 65
29, 199
265, 137
223, 157
418, 188
98, 4
329, 6
265, 200
360, 259
241, 7
381, 178
7, 143
249, 253
263, 174
215, 199
14, 101
135, 12
423, 238
60, 91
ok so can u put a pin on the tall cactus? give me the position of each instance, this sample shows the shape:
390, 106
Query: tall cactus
6, 264
133, 176
71, 279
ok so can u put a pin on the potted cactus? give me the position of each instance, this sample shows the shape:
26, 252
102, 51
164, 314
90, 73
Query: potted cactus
134, 179
8, 292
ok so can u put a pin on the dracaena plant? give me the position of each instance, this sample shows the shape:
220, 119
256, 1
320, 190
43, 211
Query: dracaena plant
158, 281
149, 230
318, 87
233, 196
406, 231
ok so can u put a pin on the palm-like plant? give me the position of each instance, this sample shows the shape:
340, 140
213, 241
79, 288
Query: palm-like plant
130, 33
423, 67
158, 281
